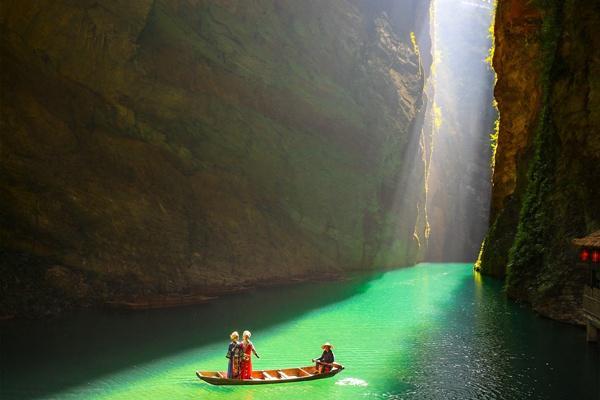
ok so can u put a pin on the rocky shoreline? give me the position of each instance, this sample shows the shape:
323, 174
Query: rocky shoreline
52, 303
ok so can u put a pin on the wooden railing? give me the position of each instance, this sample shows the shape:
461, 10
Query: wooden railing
591, 302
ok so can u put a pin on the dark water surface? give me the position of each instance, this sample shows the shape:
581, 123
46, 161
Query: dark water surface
433, 331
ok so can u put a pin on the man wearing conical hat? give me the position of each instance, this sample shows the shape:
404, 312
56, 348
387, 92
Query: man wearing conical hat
324, 363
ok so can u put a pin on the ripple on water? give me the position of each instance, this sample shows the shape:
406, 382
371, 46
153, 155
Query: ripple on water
352, 382
427, 342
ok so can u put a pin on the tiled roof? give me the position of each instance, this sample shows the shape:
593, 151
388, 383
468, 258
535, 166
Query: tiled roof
591, 240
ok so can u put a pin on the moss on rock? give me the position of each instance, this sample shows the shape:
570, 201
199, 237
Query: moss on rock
553, 198
183, 147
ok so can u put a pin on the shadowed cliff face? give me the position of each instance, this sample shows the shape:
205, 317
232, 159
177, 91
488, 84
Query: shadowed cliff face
545, 189
156, 147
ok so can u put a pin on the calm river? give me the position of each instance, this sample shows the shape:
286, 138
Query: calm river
433, 331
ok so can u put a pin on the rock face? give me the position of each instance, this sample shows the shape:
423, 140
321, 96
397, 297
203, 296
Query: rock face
547, 164
463, 118
164, 147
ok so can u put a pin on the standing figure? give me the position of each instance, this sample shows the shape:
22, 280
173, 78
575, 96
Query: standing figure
234, 354
248, 349
325, 362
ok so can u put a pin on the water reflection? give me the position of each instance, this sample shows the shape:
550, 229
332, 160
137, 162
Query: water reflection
434, 331
92, 345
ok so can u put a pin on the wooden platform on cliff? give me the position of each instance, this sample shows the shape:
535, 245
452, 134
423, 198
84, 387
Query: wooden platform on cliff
591, 309
589, 259
156, 302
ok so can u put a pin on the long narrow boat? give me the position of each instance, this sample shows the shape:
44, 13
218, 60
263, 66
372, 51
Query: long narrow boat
269, 376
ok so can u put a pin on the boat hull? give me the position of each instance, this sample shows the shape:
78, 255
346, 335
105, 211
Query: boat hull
269, 377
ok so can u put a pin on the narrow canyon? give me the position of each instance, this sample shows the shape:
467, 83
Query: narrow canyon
152, 149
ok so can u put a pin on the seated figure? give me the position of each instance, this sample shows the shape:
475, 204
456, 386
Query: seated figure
324, 363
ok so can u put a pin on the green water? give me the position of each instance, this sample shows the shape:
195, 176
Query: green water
434, 331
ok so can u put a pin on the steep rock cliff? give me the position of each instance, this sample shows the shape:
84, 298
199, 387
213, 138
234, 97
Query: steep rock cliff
169, 147
463, 117
547, 163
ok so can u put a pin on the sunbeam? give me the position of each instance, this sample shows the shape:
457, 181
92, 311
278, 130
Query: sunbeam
462, 113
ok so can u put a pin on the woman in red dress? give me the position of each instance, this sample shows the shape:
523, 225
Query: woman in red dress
248, 349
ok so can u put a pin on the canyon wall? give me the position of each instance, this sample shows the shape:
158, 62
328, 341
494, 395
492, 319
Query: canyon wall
191, 146
458, 186
547, 161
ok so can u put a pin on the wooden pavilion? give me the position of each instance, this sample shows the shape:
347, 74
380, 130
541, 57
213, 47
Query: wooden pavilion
589, 258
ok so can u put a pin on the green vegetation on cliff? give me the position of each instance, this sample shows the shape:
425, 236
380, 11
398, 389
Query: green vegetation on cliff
175, 147
545, 186
529, 251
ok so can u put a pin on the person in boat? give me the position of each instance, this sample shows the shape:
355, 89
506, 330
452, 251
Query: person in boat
324, 363
247, 350
234, 354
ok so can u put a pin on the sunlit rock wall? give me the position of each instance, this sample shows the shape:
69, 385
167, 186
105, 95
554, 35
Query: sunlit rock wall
163, 147
547, 165
462, 117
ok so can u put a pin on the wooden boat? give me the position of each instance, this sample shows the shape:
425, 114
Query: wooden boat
270, 376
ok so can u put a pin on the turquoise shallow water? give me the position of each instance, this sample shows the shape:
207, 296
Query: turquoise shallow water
433, 331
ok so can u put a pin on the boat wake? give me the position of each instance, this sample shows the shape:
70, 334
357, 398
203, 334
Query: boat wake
352, 382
